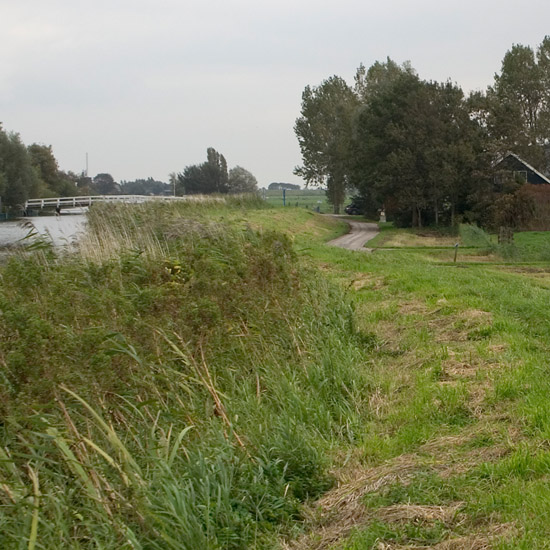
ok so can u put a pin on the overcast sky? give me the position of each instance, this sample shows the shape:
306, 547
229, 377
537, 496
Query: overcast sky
144, 87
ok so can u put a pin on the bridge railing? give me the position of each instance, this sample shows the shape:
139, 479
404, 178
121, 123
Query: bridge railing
89, 200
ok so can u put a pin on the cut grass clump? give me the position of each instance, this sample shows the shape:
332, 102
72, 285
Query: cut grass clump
177, 383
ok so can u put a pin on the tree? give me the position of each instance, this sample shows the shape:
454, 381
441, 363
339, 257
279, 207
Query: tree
324, 132
282, 185
173, 181
147, 186
517, 106
379, 76
45, 164
218, 169
206, 178
454, 150
197, 179
54, 181
67, 184
104, 184
18, 179
414, 147
241, 181
2, 188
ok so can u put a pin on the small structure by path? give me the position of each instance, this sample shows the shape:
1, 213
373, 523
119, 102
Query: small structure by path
359, 235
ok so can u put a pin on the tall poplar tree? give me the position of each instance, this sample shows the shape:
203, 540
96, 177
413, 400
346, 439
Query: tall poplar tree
324, 132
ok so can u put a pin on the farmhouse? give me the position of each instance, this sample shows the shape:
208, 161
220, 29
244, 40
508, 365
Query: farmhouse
521, 171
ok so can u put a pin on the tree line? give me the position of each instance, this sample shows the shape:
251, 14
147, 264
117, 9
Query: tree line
33, 172
213, 176
423, 150
28, 172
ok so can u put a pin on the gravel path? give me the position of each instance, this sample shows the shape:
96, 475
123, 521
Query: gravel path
360, 234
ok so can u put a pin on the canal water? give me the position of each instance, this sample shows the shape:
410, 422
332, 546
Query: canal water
62, 230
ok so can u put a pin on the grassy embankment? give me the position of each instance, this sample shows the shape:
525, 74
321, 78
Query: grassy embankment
454, 454
208, 383
179, 382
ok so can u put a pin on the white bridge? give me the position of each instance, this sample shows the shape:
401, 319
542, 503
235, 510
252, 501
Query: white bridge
75, 202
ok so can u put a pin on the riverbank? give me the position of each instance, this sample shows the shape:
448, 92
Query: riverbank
217, 377
162, 383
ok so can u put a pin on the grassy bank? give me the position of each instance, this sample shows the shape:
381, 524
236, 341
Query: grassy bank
454, 452
214, 376
179, 382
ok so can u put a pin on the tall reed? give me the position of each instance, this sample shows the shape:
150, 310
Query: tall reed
177, 383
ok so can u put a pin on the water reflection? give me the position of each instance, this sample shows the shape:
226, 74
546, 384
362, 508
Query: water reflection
62, 230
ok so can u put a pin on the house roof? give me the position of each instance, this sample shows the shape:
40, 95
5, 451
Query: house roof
526, 164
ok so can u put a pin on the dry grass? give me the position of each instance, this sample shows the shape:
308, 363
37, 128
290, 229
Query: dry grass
342, 510
407, 513
452, 369
416, 308
458, 328
422, 239
367, 281
446, 328
483, 540
379, 403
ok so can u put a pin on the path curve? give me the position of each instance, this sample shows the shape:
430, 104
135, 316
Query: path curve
359, 235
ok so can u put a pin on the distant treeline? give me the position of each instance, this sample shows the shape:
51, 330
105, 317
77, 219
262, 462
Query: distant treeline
32, 171
213, 176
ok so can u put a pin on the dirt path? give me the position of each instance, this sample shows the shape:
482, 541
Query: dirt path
360, 234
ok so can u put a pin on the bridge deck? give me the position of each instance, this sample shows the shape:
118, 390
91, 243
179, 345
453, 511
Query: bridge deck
89, 200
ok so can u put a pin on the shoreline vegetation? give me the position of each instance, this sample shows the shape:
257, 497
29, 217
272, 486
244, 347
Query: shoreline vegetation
176, 383
213, 376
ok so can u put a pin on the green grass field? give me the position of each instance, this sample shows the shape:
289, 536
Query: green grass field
223, 379
454, 454
312, 199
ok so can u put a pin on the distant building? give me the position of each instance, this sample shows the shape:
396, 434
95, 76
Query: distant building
512, 166
282, 185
